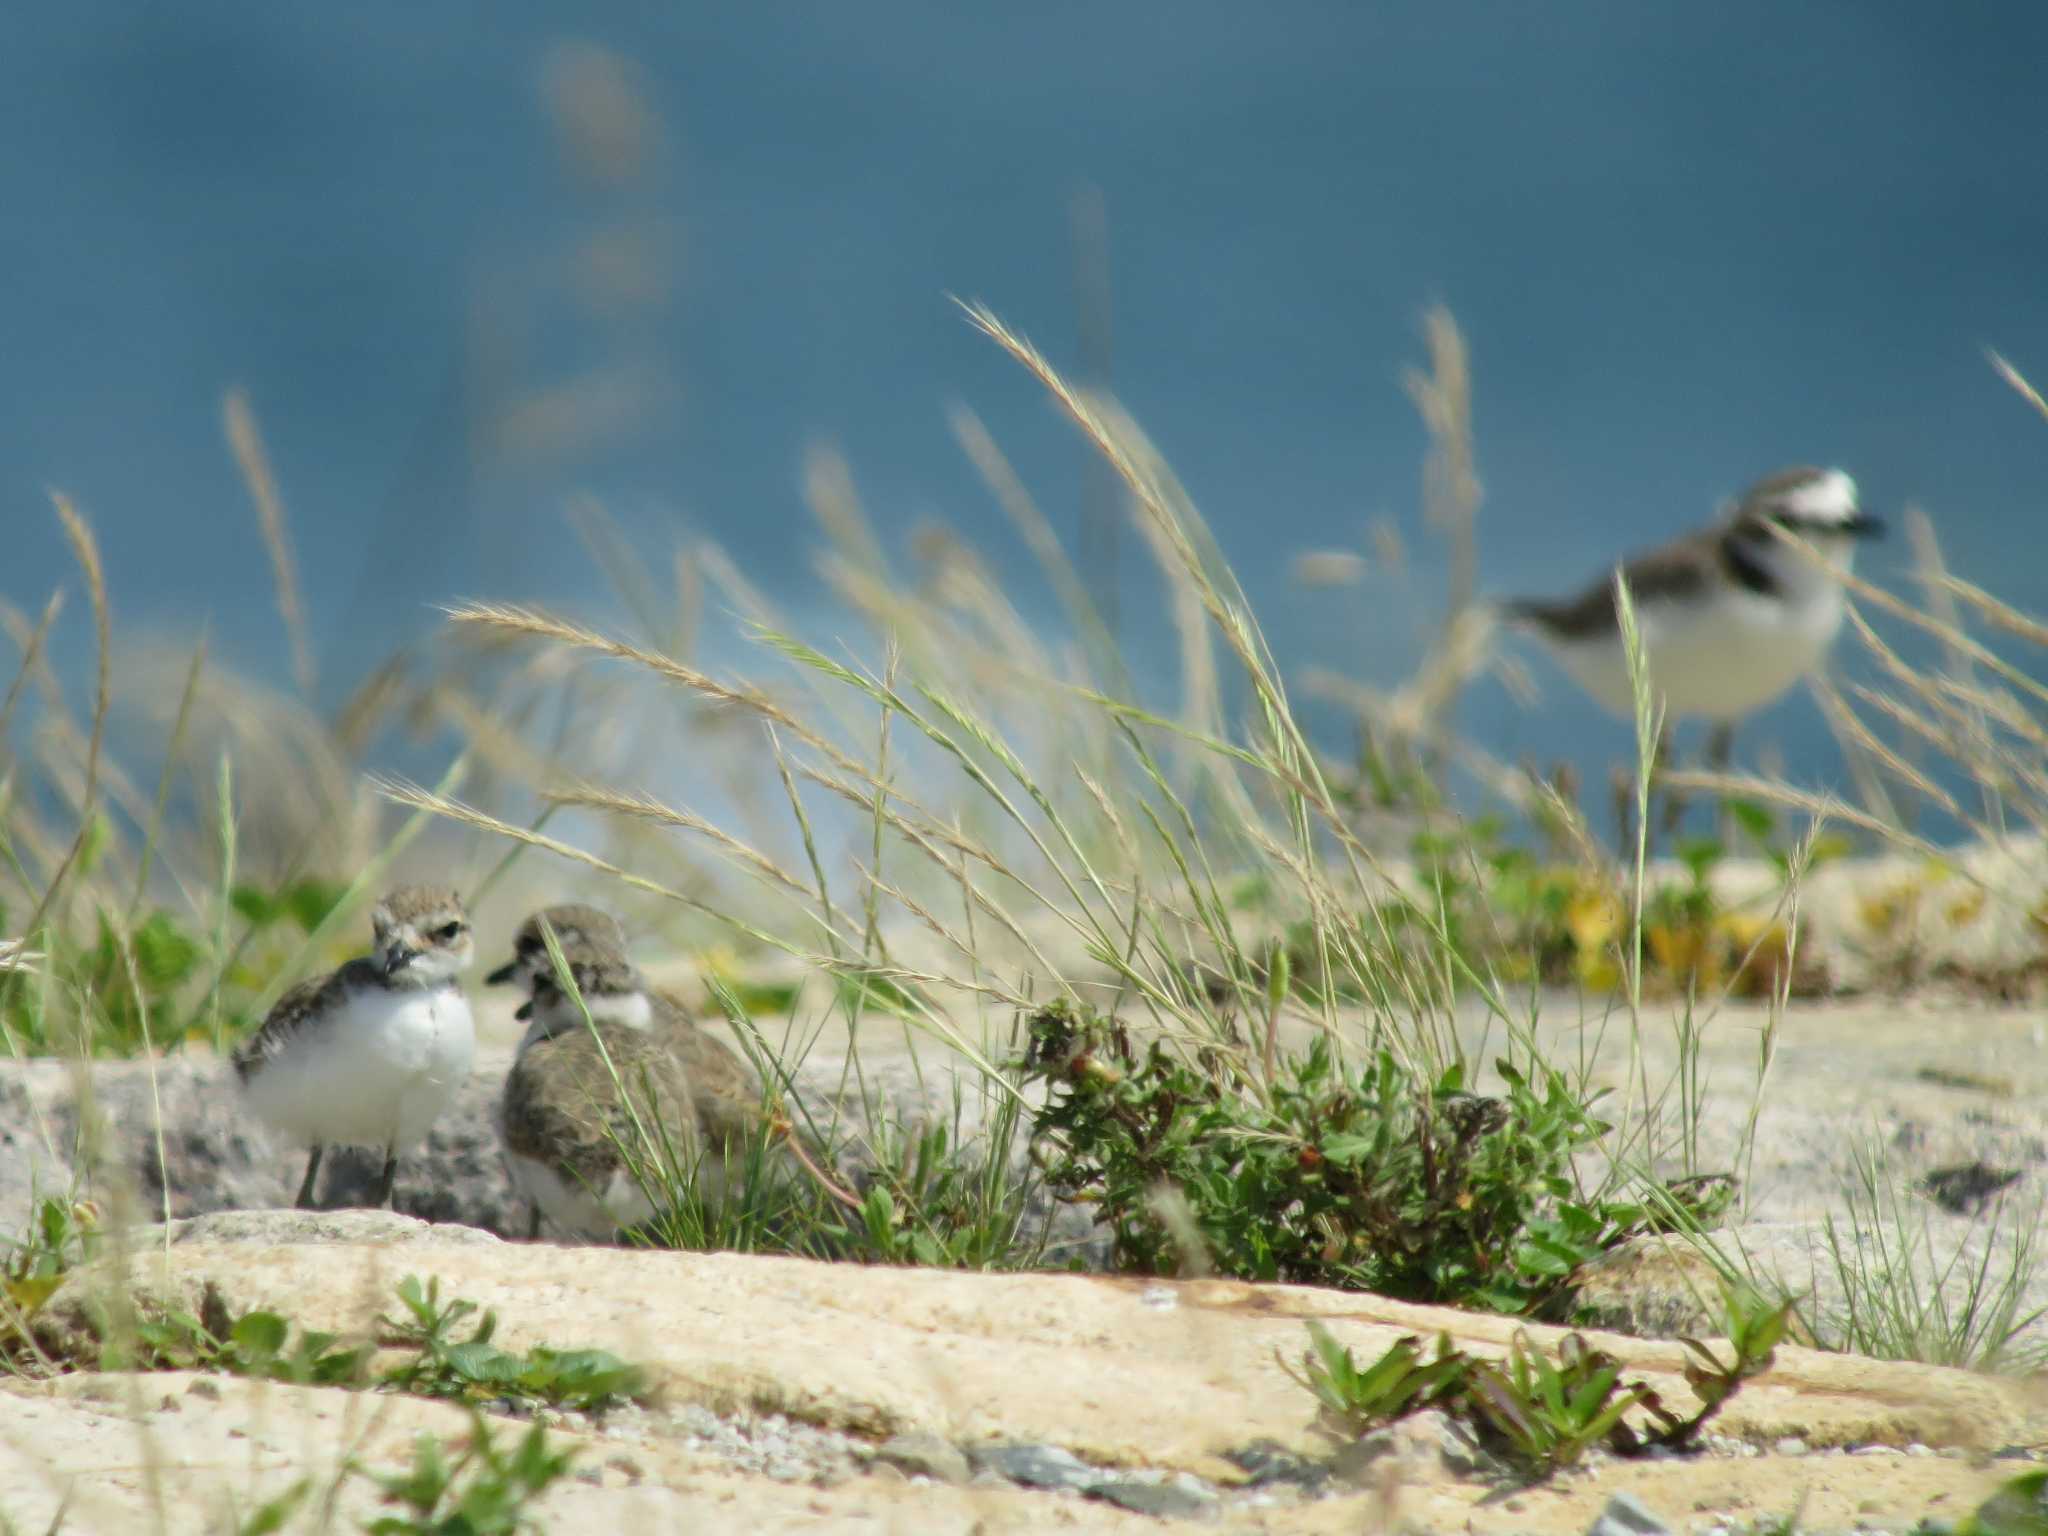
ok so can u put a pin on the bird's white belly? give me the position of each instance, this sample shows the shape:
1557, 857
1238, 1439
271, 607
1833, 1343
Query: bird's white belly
1719, 659
594, 1211
378, 1075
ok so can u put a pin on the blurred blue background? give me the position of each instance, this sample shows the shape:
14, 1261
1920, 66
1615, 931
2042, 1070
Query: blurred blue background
471, 261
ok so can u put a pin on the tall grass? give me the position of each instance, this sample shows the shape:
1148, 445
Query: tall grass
956, 824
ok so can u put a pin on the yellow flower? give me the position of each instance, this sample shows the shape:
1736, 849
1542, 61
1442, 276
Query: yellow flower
1592, 918
1964, 910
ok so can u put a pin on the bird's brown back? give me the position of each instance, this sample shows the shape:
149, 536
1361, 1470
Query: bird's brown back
563, 1105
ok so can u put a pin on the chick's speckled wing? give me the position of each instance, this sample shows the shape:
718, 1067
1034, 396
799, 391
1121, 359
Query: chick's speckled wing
563, 1107
316, 998
723, 1087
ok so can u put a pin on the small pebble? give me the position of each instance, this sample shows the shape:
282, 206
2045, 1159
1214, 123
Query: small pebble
1791, 1445
1035, 1466
1626, 1515
1917, 1449
1166, 1498
1269, 1464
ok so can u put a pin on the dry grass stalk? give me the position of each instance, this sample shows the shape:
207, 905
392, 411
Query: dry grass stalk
239, 420
646, 808
29, 641
2020, 386
1451, 492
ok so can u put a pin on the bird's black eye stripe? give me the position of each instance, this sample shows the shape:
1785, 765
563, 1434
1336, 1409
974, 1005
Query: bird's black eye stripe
448, 933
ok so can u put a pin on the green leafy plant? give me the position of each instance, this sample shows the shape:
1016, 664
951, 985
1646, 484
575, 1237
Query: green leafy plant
484, 1491
1540, 1414
1547, 1414
305, 903
447, 1362
2017, 1507
275, 1513
448, 1353
61, 1235
154, 979
1754, 1325
1361, 1178
257, 1344
1400, 1382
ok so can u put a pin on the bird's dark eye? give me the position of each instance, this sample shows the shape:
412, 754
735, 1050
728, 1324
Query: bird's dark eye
448, 933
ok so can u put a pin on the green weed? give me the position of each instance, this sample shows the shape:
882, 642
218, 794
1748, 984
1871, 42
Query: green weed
1539, 1414
1355, 1177
450, 1363
484, 1491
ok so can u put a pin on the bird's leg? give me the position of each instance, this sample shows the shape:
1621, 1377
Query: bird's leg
1675, 802
388, 1184
1721, 745
305, 1200
1720, 752
533, 1221
1623, 787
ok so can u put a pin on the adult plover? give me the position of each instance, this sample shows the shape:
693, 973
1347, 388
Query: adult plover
371, 1054
580, 1094
1730, 615
725, 1095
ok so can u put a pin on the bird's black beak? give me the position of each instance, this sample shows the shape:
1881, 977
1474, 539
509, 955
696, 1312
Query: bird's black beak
524, 1011
503, 973
1863, 526
398, 957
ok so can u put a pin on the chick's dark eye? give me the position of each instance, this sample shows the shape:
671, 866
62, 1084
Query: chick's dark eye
448, 933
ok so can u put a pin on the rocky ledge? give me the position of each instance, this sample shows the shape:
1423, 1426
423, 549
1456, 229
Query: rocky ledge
792, 1395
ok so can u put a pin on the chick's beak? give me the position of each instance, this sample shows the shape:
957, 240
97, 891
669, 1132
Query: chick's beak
397, 956
503, 973
524, 1011
1864, 526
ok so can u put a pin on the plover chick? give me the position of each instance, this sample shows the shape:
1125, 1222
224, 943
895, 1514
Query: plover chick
371, 1054
1731, 616
573, 923
724, 1092
582, 1092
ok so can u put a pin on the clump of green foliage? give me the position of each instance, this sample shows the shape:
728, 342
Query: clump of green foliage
1538, 1414
448, 1353
2017, 1507
446, 1362
257, 1344
152, 979
61, 1235
1520, 913
1363, 1178
485, 1491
